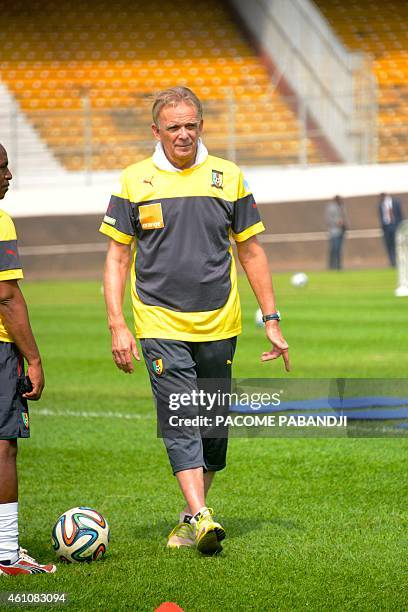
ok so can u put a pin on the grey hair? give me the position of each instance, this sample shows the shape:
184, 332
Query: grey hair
173, 97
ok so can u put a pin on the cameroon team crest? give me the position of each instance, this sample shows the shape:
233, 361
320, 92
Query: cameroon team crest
158, 366
217, 178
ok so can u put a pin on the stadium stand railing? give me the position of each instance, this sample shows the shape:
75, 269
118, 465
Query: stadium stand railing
112, 137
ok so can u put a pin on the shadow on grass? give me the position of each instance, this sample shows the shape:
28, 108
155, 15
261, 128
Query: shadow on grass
240, 526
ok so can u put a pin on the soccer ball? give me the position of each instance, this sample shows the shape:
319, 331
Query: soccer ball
299, 279
80, 534
258, 318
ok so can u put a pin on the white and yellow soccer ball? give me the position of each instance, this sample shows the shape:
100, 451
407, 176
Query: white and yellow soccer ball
299, 279
80, 534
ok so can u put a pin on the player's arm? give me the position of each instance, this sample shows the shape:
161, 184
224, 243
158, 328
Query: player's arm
116, 272
14, 313
254, 261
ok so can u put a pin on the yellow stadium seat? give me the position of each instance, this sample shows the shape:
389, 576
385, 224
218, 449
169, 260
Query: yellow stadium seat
120, 56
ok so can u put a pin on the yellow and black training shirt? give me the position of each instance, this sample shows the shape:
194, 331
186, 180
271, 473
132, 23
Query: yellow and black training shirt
184, 281
10, 266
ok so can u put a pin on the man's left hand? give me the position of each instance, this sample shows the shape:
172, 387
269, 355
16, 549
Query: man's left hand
36, 375
279, 344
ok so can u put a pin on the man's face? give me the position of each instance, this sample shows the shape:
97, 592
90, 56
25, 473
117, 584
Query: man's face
5, 174
179, 130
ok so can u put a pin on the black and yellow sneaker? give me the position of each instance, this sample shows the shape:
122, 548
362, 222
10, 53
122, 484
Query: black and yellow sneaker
208, 533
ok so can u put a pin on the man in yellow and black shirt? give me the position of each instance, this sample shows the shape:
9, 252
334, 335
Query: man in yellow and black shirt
171, 220
16, 344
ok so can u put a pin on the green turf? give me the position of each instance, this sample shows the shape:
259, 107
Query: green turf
312, 524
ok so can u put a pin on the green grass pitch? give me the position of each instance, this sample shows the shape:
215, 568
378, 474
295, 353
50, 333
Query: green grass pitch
312, 524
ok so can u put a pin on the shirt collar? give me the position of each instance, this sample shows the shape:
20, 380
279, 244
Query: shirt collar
160, 160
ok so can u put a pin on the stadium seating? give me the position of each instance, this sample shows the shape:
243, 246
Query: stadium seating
379, 29
84, 74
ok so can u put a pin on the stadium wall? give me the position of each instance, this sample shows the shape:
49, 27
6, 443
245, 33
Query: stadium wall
58, 227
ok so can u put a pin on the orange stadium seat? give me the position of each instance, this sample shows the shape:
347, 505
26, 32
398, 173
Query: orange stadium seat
93, 68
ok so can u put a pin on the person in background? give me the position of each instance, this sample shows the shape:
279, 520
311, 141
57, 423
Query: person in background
336, 221
390, 214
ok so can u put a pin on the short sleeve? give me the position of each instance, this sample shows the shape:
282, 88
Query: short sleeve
10, 264
246, 220
118, 222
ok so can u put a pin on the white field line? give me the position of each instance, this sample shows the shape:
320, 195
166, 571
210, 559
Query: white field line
90, 414
100, 247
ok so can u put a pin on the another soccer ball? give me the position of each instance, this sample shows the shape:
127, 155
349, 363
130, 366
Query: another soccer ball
299, 279
80, 534
258, 318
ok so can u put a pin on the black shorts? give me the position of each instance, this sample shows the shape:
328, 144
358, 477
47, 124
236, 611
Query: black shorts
14, 419
176, 366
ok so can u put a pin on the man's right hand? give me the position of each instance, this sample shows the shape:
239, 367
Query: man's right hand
36, 375
123, 347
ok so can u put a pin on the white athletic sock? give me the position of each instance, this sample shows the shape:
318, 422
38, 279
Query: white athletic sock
9, 532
